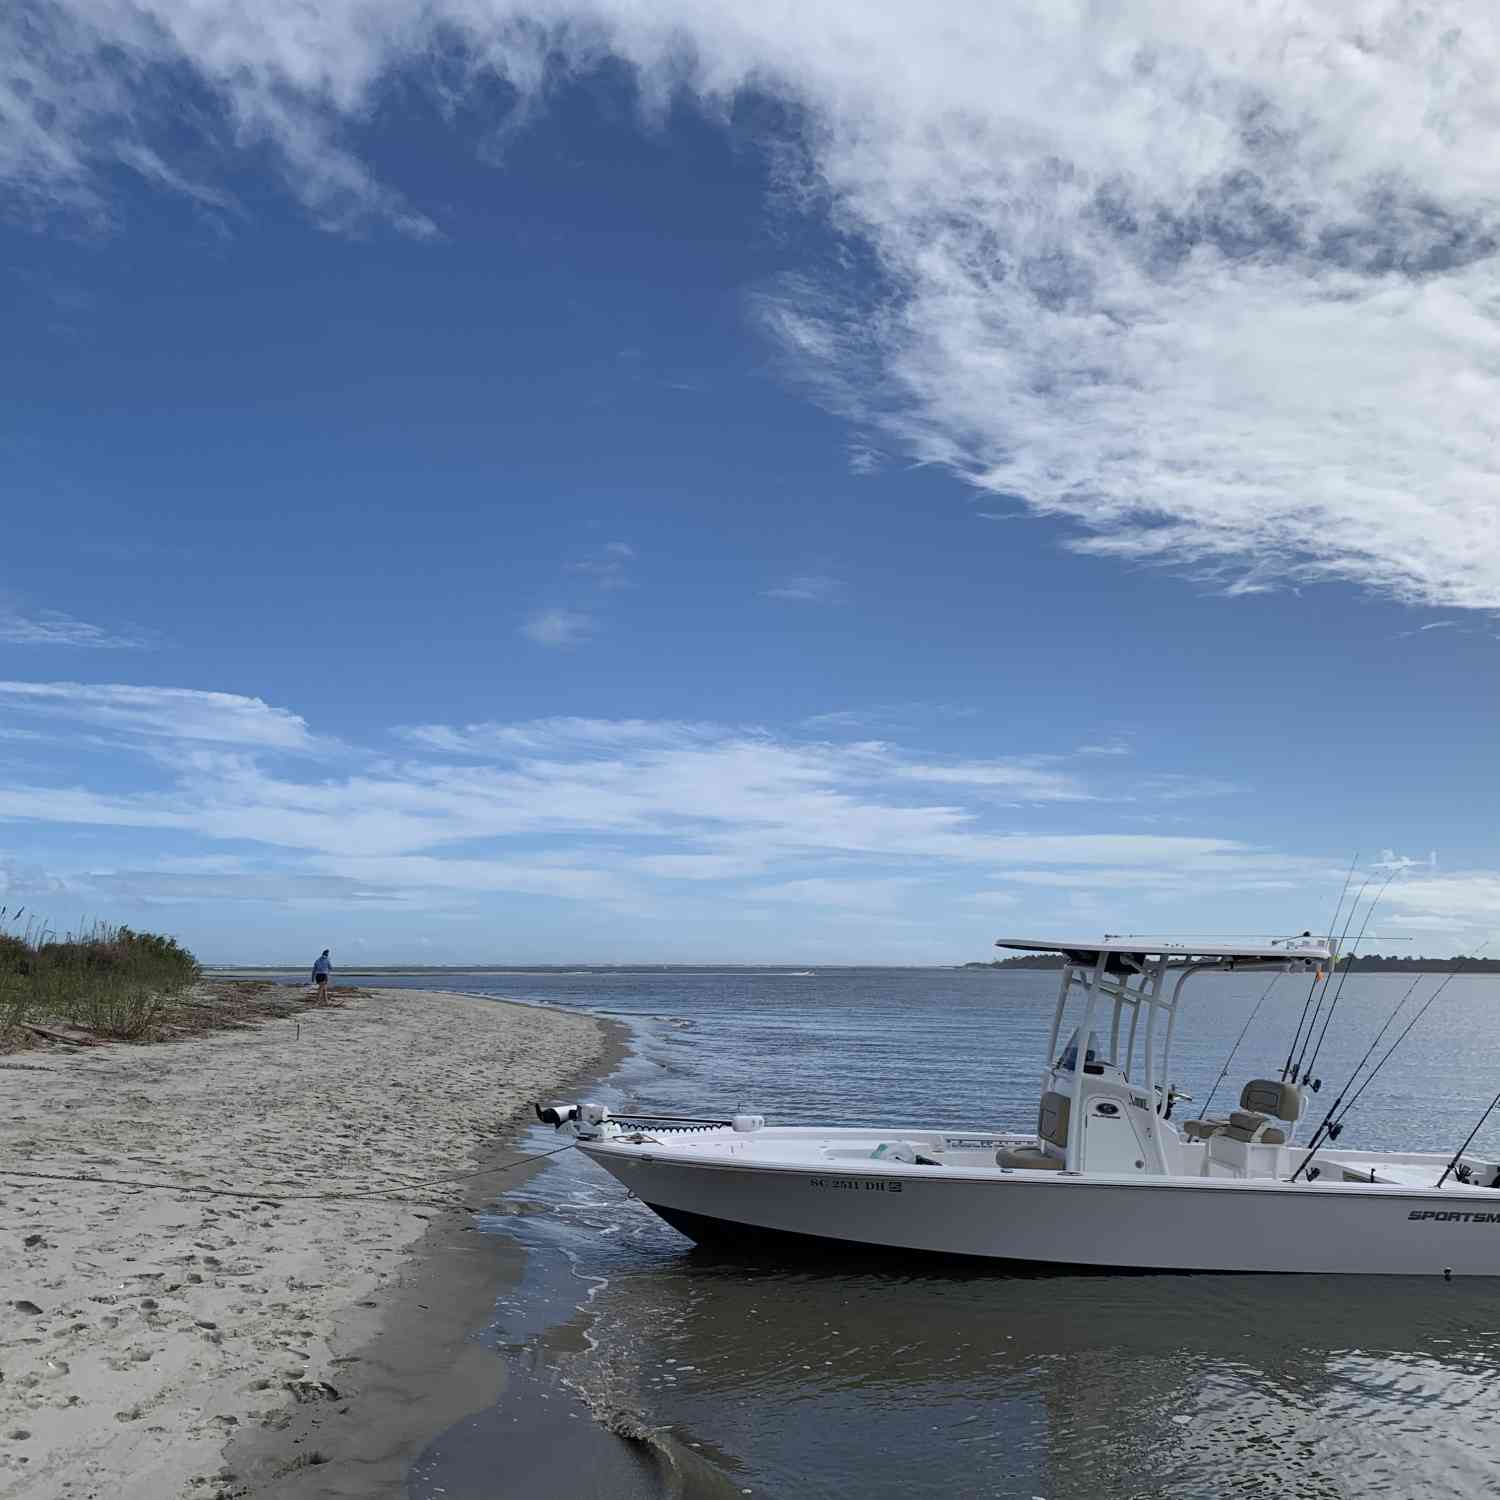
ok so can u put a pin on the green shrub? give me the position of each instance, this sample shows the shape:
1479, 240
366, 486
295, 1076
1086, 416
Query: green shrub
15, 955
112, 980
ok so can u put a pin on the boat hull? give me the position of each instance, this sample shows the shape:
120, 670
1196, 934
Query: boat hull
1175, 1224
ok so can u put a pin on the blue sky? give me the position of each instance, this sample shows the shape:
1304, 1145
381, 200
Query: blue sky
584, 482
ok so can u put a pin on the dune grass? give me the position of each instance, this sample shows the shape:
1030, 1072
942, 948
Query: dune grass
111, 981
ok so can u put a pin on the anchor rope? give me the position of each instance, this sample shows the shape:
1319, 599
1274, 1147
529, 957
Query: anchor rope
366, 1195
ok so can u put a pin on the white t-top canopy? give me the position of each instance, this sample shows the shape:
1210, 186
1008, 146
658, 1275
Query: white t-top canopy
1087, 950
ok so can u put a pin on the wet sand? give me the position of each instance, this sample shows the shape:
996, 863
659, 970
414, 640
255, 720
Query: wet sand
143, 1329
417, 1366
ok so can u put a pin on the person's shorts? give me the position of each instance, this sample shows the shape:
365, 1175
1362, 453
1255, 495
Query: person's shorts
320, 980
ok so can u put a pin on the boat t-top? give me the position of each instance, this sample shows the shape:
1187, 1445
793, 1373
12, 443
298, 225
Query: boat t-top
1107, 1179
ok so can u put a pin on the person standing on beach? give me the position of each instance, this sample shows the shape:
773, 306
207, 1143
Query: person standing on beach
322, 972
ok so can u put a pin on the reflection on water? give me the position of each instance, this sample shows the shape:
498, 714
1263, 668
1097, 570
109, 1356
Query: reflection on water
875, 1378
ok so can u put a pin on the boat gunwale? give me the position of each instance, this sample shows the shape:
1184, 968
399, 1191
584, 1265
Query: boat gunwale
911, 1172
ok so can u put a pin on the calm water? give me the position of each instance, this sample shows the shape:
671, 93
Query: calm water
884, 1380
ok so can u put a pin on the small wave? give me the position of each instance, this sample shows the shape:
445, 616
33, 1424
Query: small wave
683, 1471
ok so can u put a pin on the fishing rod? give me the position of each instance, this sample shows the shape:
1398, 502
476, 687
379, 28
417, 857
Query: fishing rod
1331, 1127
1370, 1050
1287, 1071
1475, 1131
1344, 977
1328, 977
1224, 1071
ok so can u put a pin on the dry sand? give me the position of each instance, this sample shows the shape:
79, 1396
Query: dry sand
141, 1330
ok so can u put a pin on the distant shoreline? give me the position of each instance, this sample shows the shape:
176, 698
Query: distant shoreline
790, 971
1374, 964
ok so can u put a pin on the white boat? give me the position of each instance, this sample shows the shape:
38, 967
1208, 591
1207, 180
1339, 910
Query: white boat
1107, 1179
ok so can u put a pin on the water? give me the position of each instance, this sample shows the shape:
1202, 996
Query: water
881, 1379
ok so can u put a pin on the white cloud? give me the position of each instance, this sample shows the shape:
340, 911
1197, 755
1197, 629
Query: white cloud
294, 887
844, 718
1465, 899
993, 900
141, 158
415, 872
50, 627
883, 897
668, 801
173, 713
1105, 747
1220, 289
699, 866
559, 627
608, 565
1178, 788
1028, 783
639, 815
555, 734
21, 886
809, 588
1406, 635
905, 717
1389, 862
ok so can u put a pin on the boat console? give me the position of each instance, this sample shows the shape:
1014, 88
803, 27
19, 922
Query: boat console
1108, 1107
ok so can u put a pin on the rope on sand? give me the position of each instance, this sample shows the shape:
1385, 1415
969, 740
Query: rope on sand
371, 1194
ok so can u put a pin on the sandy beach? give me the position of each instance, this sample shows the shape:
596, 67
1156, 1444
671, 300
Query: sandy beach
145, 1329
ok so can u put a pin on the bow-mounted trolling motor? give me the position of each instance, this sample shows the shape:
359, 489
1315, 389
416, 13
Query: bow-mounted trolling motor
586, 1120
594, 1122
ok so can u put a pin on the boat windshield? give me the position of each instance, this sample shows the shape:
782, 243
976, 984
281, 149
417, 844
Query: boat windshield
1068, 1062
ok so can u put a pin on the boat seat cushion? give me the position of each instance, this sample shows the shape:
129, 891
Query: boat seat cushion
1028, 1158
1247, 1126
1199, 1130
1052, 1119
1269, 1096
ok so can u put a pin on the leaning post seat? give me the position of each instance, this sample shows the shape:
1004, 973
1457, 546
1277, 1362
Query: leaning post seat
1028, 1159
1246, 1125
1260, 1099
1270, 1096
1051, 1129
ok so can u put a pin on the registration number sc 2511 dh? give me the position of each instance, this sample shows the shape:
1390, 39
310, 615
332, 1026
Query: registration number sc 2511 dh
855, 1184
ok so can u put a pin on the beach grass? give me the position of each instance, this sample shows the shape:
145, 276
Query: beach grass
108, 980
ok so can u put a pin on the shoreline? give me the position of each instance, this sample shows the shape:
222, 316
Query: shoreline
150, 1331
421, 1367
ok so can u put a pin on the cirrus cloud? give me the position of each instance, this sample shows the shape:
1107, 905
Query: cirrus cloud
50, 627
559, 627
180, 714
1218, 290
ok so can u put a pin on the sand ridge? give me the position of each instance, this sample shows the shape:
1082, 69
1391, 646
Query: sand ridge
141, 1329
